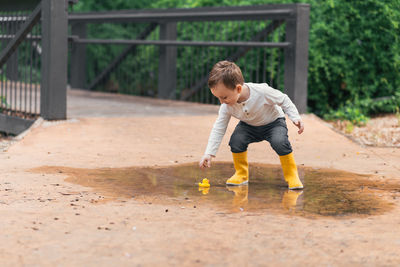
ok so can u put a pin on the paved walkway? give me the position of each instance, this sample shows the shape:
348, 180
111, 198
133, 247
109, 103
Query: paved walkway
47, 221
85, 104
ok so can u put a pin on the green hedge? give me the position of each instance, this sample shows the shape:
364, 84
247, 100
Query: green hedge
354, 53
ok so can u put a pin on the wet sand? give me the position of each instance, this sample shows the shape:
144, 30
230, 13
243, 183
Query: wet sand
47, 219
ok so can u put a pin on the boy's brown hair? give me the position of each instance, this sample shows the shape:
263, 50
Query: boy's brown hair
226, 72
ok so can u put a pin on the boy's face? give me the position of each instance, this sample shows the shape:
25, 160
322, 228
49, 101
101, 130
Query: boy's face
226, 95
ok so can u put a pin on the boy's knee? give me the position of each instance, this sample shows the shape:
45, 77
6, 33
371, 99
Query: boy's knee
238, 143
281, 145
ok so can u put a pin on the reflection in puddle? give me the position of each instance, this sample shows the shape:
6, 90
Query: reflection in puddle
327, 192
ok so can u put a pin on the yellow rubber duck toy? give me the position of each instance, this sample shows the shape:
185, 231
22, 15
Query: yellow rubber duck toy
205, 183
204, 186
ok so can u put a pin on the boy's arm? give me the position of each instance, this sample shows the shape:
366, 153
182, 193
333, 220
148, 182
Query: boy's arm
299, 125
205, 161
218, 131
274, 96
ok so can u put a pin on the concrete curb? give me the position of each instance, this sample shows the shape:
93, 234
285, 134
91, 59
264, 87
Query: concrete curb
6, 144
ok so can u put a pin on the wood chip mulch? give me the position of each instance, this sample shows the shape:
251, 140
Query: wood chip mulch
380, 131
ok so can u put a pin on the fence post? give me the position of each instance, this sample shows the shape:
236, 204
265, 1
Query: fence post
167, 63
78, 57
12, 62
296, 56
12, 67
53, 93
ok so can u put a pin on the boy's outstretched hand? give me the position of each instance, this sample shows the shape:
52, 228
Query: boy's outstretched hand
205, 161
299, 125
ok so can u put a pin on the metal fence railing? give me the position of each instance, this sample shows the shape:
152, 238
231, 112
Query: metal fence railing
33, 46
164, 53
169, 53
20, 76
258, 63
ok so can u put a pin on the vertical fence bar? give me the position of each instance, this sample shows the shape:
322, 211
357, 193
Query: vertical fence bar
296, 56
19, 75
36, 67
53, 95
3, 45
167, 62
5, 66
30, 72
14, 73
78, 57
27, 66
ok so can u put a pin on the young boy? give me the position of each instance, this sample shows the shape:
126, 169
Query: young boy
260, 110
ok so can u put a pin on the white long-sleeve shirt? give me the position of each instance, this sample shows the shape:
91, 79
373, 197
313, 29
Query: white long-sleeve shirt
264, 105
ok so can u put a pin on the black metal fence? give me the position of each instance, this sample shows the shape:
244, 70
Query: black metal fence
161, 53
169, 53
20, 76
33, 42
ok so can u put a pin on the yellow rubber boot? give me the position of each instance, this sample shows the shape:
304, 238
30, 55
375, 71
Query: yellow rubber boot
290, 171
241, 175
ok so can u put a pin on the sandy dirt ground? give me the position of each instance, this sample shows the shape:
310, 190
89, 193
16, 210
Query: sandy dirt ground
46, 221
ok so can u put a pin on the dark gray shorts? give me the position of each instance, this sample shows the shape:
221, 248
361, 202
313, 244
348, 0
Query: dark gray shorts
276, 133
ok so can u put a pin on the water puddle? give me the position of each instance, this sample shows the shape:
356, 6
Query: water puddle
326, 193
